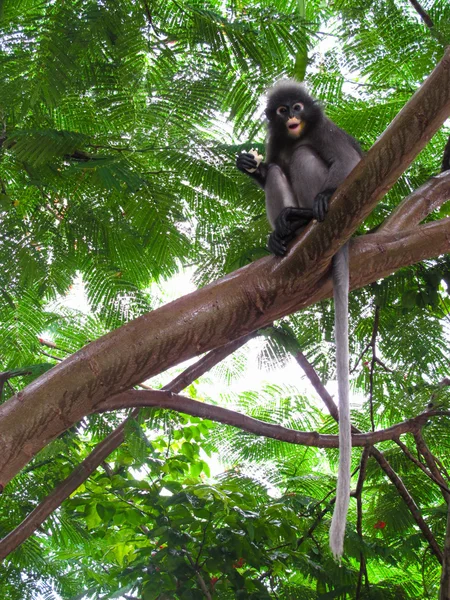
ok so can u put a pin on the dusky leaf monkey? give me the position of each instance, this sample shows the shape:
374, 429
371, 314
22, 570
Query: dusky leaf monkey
307, 158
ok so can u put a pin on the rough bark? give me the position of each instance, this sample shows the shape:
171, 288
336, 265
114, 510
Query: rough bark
225, 310
418, 205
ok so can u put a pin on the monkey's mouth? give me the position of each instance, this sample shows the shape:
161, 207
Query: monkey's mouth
295, 127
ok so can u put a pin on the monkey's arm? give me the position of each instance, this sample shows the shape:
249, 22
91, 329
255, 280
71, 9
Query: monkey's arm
247, 163
341, 153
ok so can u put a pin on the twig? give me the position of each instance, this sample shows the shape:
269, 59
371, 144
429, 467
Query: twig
200, 579
57, 358
52, 345
360, 357
383, 365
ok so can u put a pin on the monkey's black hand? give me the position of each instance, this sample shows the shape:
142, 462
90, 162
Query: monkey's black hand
321, 202
246, 161
292, 218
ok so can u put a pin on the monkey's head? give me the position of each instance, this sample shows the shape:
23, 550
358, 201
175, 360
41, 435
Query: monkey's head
290, 109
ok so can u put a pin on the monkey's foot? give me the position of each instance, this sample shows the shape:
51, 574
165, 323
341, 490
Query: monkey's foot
278, 244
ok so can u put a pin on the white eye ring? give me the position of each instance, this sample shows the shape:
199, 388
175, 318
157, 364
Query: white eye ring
298, 106
282, 110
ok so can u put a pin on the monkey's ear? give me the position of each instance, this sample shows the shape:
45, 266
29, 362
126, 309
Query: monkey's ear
269, 114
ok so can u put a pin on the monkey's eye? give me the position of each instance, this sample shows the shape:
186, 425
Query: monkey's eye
298, 107
282, 110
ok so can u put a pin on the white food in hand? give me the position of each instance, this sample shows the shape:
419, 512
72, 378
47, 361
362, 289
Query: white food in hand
258, 157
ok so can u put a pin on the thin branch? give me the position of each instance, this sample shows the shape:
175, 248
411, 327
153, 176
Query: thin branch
423, 468
414, 509
97, 457
432, 464
360, 357
200, 579
358, 495
321, 390
444, 591
176, 402
383, 365
398, 483
57, 358
362, 472
423, 14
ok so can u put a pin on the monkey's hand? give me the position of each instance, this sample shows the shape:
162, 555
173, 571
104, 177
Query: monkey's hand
321, 202
246, 162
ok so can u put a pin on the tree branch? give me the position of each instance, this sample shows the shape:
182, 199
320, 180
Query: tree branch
358, 495
35, 519
444, 592
398, 483
226, 416
432, 465
418, 205
423, 14
373, 345
439, 481
445, 166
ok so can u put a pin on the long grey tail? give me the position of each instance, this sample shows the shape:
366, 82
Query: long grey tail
341, 288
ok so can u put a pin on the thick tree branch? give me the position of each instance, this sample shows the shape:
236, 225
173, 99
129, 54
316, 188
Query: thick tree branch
225, 310
418, 205
377, 255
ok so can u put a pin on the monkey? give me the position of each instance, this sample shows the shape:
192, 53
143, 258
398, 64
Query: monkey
307, 158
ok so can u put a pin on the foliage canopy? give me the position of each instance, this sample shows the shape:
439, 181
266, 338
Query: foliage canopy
120, 121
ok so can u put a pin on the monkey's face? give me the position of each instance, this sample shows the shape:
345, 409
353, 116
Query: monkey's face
290, 115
